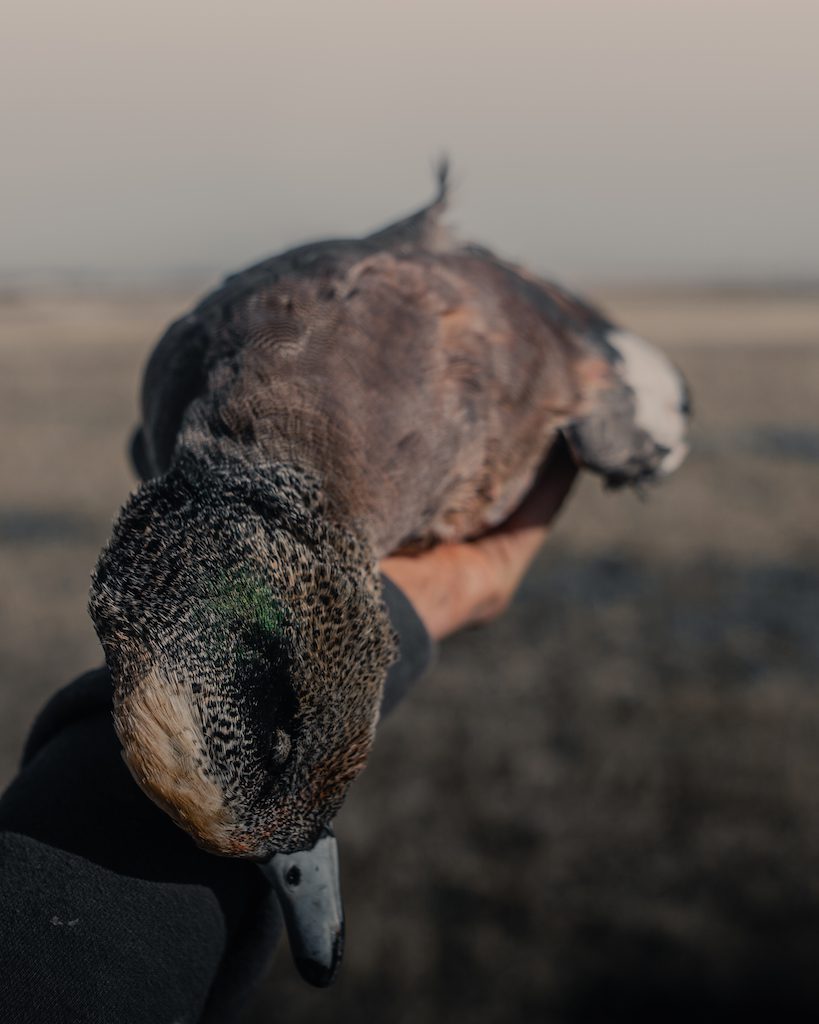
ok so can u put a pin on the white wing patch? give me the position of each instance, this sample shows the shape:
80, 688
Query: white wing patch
659, 395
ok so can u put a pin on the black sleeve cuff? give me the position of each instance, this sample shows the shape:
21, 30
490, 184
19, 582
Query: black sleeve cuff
414, 645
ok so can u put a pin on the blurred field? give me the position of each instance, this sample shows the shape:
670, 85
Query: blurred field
604, 807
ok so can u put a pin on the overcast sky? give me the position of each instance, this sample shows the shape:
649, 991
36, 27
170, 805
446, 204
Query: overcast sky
594, 139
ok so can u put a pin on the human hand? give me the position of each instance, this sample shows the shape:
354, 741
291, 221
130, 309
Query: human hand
456, 585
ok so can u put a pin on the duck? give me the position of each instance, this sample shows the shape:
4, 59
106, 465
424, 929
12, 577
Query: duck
342, 401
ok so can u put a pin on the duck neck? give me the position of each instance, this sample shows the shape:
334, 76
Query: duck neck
286, 496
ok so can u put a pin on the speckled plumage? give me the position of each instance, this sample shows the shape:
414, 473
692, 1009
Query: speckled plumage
322, 409
248, 642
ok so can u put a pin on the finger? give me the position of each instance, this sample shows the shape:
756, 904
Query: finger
545, 498
513, 545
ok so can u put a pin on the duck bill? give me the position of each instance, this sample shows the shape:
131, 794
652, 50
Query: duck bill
308, 887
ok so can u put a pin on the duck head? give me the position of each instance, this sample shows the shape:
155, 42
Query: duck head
248, 646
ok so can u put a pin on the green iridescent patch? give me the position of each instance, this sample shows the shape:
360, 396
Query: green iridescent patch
246, 599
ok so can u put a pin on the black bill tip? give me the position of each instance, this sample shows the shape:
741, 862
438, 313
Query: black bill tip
321, 974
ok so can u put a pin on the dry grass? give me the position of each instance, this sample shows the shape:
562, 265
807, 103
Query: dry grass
604, 807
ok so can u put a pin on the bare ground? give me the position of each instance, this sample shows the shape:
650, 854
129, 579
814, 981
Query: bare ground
604, 807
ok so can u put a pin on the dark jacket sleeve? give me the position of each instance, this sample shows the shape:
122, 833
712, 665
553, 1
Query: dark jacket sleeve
108, 911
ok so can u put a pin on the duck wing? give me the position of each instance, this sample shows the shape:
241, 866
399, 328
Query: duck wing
177, 372
426, 385
633, 406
